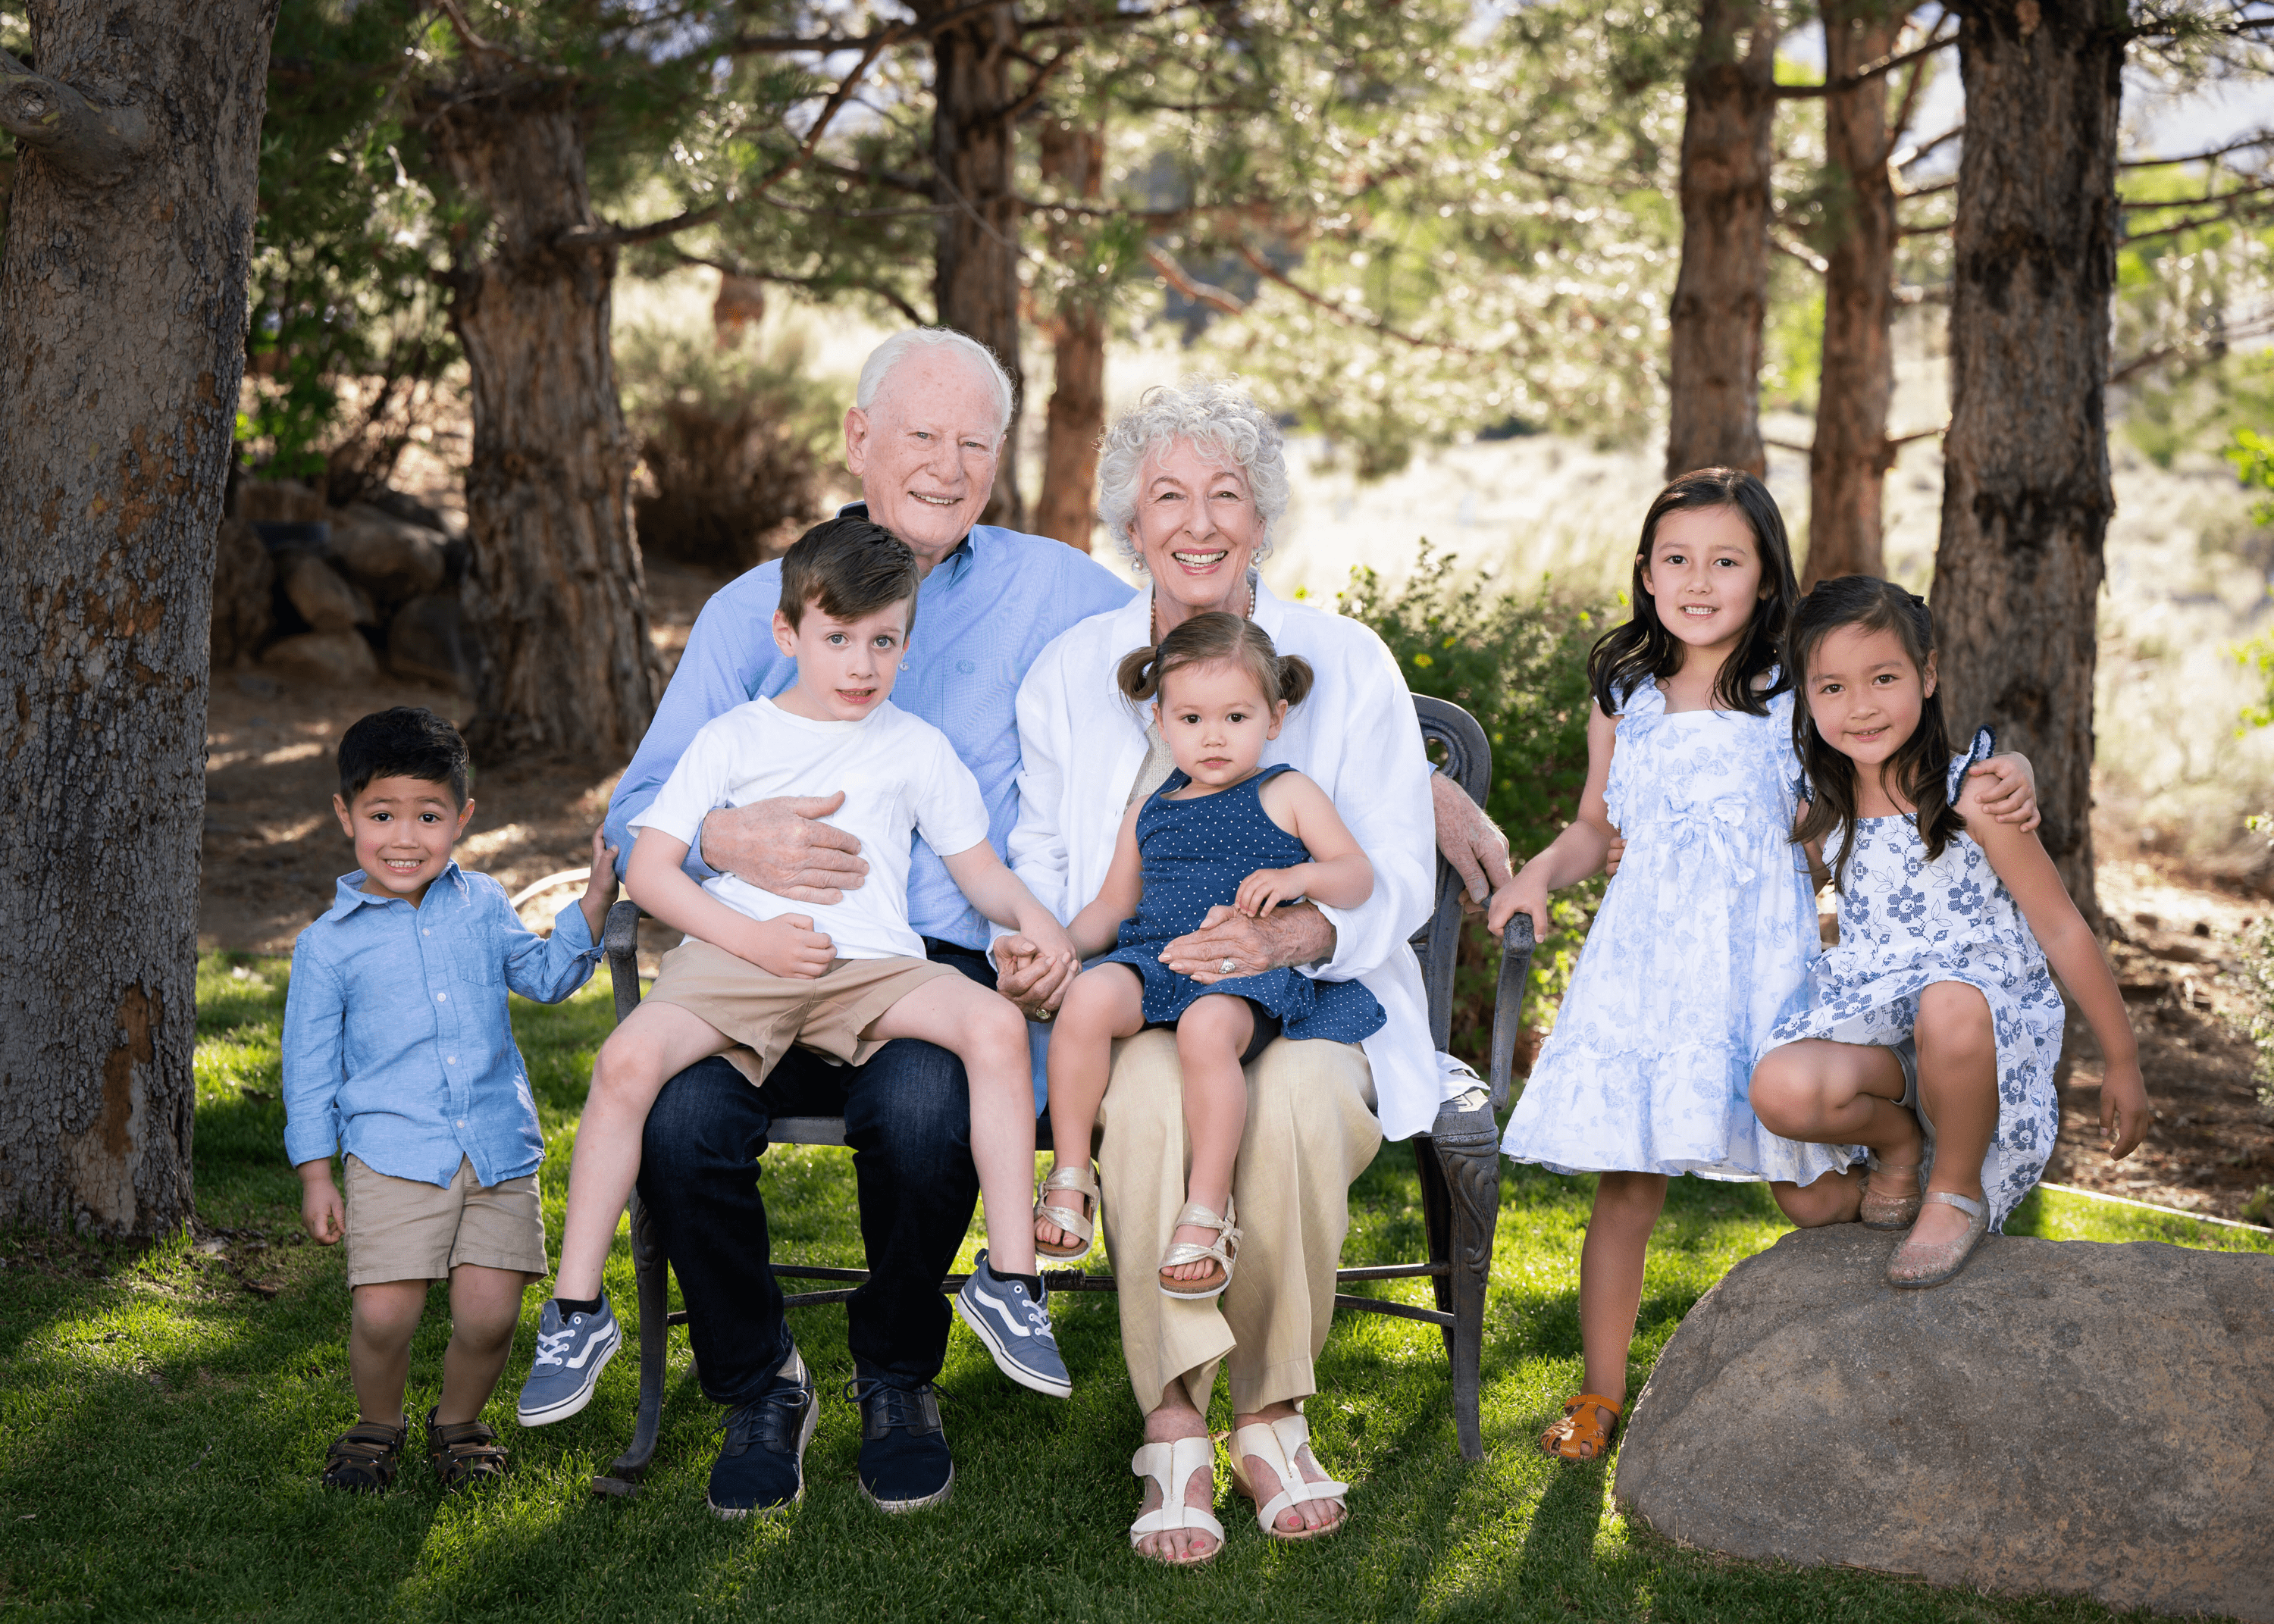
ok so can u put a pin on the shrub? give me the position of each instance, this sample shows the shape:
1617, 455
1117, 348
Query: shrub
1519, 663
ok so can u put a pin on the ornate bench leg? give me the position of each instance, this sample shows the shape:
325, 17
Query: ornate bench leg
651, 1271
1468, 1151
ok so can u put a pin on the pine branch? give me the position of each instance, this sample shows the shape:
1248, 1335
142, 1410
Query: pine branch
812, 284
2229, 208
1269, 272
98, 143
2262, 138
1909, 156
1865, 74
1199, 292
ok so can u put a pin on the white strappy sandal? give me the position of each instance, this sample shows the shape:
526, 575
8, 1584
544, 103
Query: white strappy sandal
1223, 1251
1172, 1465
1081, 1225
1276, 1444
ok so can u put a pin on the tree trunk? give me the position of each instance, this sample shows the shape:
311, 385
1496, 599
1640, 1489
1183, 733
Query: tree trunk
1721, 292
555, 594
122, 313
2026, 496
1073, 156
1849, 459
974, 146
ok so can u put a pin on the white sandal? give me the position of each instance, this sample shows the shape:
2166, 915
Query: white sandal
1221, 1252
1276, 1444
1172, 1465
1082, 1225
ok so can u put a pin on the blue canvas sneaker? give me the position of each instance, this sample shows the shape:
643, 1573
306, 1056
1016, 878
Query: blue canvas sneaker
570, 1360
1016, 1329
761, 1465
905, 1465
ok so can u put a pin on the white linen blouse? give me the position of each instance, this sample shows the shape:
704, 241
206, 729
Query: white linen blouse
1081, 741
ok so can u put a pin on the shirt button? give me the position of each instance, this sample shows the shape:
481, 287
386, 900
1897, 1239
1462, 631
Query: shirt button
425, 933
441, 997
454, 1060
462, 1121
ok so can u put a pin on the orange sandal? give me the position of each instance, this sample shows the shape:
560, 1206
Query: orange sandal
1576, 1440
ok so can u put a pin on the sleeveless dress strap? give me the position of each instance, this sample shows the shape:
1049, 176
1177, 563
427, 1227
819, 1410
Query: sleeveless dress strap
1985, 746
1644, 698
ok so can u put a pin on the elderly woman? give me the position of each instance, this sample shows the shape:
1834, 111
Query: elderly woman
1193, 480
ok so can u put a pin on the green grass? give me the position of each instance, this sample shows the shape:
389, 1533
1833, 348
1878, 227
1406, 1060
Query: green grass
162, 1426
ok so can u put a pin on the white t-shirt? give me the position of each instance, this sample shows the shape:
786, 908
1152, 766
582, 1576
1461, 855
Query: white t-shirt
901, 778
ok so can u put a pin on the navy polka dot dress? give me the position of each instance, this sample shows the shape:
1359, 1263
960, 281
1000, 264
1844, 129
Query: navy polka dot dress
1195, 855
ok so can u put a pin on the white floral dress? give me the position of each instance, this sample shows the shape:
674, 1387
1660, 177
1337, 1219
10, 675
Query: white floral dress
1702, 944
1905, 924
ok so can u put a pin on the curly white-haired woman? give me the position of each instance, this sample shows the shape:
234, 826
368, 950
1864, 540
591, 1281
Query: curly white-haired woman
1193, 480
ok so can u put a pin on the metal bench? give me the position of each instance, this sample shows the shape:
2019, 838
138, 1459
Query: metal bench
1459, 1160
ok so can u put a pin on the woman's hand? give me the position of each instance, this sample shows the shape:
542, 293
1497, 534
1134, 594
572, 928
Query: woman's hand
2124, 1114
1228, 945
1267, 887
1470, 841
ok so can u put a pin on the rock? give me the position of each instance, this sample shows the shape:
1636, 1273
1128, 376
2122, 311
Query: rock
279, 502
326, 600
243, 594
426, 640
410, 510
389, 559
2066, 1415
340, 657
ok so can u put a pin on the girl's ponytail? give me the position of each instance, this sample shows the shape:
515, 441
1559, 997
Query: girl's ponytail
1139, 675
1295, 679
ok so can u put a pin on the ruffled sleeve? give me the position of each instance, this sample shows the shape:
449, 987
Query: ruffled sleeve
1985, 746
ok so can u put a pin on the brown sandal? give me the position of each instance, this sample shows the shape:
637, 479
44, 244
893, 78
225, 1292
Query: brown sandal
1576, 1440
463, 1452
363, 1460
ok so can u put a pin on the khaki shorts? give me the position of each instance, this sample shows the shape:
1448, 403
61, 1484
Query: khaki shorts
406, 1229
765, 1014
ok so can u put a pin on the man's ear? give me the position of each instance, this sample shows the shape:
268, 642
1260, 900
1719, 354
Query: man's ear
347, 820
856, 442
1928, 681
785, 634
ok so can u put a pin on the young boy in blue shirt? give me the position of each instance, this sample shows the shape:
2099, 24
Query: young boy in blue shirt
397, 1052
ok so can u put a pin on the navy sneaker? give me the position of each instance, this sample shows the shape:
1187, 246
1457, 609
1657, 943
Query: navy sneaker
570, 1360
905, 1465
761, 1466
1016, 1329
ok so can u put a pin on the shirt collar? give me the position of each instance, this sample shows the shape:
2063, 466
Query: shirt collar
347, 893
957, 559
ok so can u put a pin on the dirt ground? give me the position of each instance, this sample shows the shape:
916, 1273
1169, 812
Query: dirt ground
273, 849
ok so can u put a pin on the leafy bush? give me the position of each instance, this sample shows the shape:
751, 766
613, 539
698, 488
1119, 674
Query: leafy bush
1519, 663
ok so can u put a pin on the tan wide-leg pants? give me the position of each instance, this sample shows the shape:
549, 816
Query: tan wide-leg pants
1310, 1131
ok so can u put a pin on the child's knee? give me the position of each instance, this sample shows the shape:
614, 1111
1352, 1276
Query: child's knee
995, 1033
1212, 1025
1954, 1016
626, 1072
388, 1311
1780, 1095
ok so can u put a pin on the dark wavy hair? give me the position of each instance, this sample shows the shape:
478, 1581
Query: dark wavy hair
1215, 639
1921, 764
1643, 650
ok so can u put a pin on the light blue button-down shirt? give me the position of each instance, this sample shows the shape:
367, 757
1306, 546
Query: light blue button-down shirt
984, 613
396, 1046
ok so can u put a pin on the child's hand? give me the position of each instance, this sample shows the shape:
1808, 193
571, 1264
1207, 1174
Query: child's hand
2011, 794
1525, 894
1267, 887
786, 944
600, 889
322, 1214
2124, 1114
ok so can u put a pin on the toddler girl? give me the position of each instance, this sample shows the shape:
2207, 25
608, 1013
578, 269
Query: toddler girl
1938, 997
1221, 831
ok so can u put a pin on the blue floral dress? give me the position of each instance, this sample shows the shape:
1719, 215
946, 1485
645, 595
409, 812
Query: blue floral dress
1702, 944
1905, 924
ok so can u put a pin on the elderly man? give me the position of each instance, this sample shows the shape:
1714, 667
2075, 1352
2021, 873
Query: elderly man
932, 407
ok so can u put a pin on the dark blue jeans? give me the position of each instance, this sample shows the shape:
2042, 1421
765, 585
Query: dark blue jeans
908, 1118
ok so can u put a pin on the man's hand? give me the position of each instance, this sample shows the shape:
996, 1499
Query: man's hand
2015, 799
781, 846
1472, 842
1228, 945
322, 1214
786, 944
1033, 979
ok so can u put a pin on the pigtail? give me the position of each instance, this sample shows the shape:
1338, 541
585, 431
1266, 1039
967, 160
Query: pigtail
1296, 678
1139, 675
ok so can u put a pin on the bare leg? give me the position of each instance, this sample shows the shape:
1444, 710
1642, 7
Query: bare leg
987, 1033
485, 1307
1958, 1087
1102, 1004
384, 1316
655, 1042
1627, 1205
1174, 1419
1822, 1092
1265, 1481
1211, 1035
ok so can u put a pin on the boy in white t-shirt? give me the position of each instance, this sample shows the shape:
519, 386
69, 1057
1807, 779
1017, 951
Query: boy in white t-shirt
758, 972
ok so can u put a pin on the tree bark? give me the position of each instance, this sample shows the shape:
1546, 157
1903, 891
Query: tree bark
1849, 457
555, 593
123, 315
2026, 496
1074, 157
1722, 291
974, 147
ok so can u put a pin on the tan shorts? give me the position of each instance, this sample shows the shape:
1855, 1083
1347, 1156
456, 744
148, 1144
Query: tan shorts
406, 1229
832, 1012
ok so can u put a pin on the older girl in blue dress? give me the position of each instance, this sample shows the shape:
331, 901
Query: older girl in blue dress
1935, 1025
1224, 831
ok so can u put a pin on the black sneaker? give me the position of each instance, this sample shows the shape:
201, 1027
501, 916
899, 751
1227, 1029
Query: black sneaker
761, 1465
905, 1465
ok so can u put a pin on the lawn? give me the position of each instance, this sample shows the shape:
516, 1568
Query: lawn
163, 1416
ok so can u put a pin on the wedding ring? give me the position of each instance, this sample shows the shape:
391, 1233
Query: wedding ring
1229, 966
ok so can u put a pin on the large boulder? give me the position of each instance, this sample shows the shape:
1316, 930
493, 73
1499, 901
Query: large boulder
426, 640
2065, 1416
278, 501
243, 594
326, 599
391, 559
337, 658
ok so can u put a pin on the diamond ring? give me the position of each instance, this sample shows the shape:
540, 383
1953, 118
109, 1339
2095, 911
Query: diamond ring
1229, 966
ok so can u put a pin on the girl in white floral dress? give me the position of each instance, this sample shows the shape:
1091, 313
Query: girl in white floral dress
1935, 1025
1704, 939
